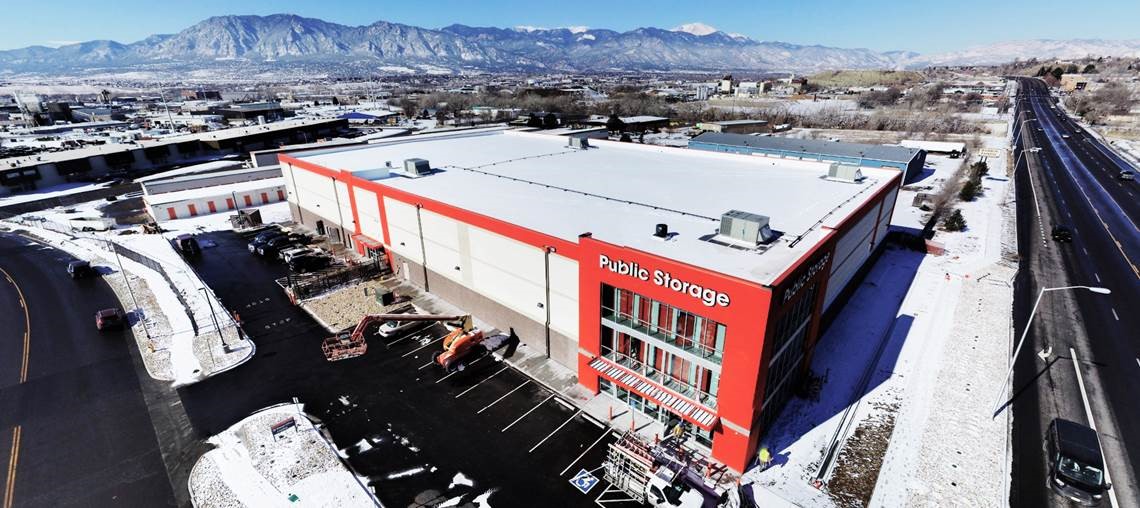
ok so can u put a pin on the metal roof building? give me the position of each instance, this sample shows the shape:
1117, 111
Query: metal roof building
907, 160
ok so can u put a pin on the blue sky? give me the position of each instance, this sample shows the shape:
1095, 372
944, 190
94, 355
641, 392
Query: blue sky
919, 25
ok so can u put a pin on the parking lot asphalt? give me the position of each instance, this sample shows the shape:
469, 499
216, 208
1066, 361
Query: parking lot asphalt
422, 436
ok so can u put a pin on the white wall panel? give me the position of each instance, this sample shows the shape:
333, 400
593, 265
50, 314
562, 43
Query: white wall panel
509, 255
501, 269
342, 198
368, 211
315, 193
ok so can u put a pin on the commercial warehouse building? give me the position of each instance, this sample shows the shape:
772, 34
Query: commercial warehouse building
908, 160
191, 195
688, 284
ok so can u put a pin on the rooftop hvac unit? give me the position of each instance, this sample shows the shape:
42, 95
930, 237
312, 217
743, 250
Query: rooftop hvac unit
579, 142
416, 168
744, 227
844, 172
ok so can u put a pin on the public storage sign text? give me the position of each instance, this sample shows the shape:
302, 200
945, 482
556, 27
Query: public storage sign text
709, 297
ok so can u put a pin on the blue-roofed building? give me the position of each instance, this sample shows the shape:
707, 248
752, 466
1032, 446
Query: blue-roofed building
907, 160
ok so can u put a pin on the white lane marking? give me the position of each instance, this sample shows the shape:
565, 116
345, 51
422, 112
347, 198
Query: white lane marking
1086, 250
519, 419
457, 371
600, 438
409, 353
1097, 277
568, 420
1138, 362
1092, 423
464, 392
505, 395
1114, 314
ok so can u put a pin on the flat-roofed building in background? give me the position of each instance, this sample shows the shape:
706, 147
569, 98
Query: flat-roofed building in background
736, 126
908, 160
689, 285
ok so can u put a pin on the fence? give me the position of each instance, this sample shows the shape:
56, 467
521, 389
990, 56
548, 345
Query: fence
156, 266
304, 287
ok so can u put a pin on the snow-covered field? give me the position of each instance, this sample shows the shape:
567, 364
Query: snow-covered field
913, 423
250, 466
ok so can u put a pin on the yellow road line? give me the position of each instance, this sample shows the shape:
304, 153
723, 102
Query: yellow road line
13, 461
27, 329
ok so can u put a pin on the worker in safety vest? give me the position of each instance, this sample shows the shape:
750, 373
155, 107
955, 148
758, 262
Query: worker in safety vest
765, 458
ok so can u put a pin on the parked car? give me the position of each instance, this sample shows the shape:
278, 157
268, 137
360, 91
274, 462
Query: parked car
1076, 464
110, 319
187, 245
1062, 233
80, 269
302, 264
263, 238
1126, 175
277, 244
392, 329
287, 255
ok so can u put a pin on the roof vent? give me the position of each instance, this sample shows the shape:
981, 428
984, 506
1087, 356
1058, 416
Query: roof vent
579, 142
844, 173
661, 231
746, 228
416, 168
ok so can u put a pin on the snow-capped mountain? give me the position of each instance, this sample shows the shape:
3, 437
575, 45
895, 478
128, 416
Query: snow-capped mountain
284, 40
1007, 51
697, 28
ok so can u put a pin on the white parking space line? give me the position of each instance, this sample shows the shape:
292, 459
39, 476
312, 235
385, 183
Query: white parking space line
1086, 250
426, 365
1114, 314
1092, 423
519, 419
1138, 362
568, 420
595, 443
409, 353
457, 371
464, 392
1097, 275
505, 395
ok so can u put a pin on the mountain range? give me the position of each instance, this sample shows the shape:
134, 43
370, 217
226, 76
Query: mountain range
284, 40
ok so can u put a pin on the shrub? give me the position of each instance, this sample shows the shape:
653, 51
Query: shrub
970, 190
954, 222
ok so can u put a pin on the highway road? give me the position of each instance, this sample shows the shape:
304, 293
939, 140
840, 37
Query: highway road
74, 426
1066, 176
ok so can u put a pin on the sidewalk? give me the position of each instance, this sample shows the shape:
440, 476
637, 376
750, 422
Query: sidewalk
277, 456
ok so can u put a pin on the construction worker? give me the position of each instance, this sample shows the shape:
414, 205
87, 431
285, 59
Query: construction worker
765, 458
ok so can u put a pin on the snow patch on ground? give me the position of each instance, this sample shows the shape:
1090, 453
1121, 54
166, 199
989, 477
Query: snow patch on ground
947, 325
460, 479
251, 466
407, 472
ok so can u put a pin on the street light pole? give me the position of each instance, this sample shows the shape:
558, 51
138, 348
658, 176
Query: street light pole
1022, 154
225, 346
1025, 332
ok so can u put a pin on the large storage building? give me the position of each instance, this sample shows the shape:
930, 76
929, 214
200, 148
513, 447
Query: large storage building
688, 284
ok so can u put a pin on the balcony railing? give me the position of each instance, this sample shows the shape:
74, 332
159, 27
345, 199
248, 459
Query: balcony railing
689, 345
673, 384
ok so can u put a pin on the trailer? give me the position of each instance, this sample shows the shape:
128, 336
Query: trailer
667, 473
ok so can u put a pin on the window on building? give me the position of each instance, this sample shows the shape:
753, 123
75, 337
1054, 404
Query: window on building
691, 332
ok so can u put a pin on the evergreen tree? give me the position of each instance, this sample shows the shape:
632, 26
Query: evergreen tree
954, 222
